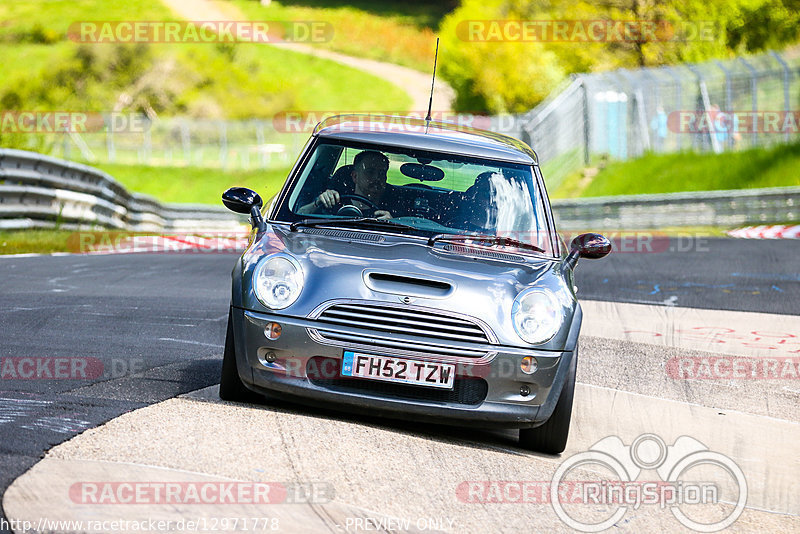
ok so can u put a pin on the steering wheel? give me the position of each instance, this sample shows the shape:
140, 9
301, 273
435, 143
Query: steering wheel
353, 210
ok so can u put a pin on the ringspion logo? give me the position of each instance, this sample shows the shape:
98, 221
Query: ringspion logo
704, 490
692, 478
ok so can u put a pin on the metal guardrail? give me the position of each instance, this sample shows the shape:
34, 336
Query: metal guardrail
38, 191
726, 208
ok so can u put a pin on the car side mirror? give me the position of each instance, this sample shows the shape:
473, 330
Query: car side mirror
592, 246
244, 200
241, 200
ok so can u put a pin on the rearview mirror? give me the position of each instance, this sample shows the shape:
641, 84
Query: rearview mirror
241, 200
423, 173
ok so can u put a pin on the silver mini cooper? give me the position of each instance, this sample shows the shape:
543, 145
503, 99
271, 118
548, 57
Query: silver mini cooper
410, 268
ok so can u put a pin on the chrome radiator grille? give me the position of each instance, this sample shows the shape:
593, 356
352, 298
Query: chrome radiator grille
421, 323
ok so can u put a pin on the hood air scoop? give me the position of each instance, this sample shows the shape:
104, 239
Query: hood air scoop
407, 284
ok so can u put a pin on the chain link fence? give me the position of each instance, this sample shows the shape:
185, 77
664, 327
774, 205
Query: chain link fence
622, 114
227, 144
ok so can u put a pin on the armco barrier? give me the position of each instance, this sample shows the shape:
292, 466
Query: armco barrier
727, 208
38, 191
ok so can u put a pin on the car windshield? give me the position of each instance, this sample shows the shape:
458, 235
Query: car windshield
441, 196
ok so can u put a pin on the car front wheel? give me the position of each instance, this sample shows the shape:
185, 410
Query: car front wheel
551, 437
231, 387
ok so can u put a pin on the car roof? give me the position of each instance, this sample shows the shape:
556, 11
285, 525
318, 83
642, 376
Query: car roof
435, 136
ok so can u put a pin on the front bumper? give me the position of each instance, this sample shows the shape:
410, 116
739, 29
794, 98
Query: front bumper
303, 365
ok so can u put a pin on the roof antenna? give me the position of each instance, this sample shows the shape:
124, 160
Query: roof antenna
433, 79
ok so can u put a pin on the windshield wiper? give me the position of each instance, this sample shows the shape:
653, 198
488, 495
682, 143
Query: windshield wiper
492, 239
354, 221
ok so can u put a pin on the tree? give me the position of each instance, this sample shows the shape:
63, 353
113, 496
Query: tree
494, 71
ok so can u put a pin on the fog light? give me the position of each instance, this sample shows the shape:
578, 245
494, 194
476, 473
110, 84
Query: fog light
524, 391
270, 357
272, 331
528, 365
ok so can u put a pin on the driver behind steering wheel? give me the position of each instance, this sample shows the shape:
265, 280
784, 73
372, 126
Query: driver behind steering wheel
367, 179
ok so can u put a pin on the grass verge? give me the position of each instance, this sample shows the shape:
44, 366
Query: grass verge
670, 173
193, 184
34, 241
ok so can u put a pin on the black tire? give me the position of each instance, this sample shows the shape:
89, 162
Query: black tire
551, 437
231, 387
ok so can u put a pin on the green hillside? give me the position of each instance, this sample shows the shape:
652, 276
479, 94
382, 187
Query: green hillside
669, 173
44, 70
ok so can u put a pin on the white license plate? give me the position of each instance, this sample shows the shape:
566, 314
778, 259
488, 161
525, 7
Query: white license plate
401, 370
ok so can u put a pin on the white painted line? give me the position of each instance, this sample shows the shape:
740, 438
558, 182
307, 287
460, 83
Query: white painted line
26, 255
189, 341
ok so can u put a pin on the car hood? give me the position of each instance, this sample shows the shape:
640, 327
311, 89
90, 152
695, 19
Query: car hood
359, 265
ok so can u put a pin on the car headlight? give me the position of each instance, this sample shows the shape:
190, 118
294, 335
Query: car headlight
537, 315
277, 281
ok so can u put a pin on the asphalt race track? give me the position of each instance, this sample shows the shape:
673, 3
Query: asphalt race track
151, 328
699, 272
155, 323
